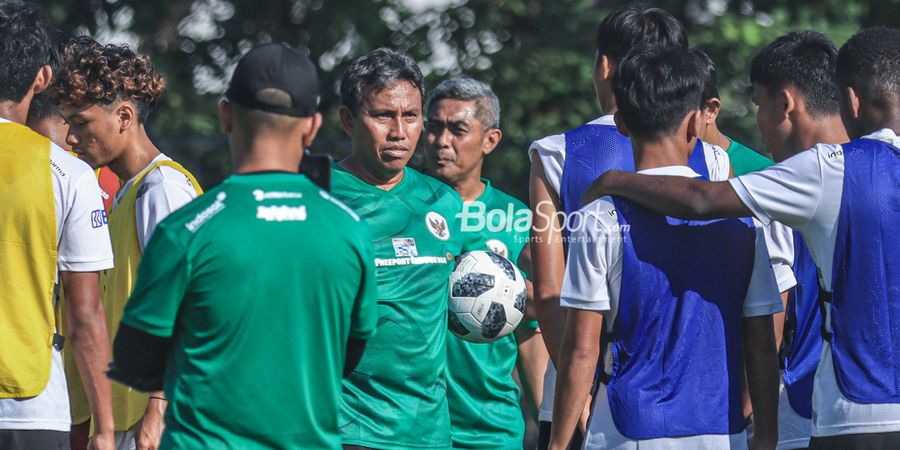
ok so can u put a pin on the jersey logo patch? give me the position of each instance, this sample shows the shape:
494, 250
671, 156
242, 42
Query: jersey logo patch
98, 218
405, 247
498, 247
437, 225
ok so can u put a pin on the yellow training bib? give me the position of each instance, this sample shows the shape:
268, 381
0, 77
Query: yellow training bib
28, 258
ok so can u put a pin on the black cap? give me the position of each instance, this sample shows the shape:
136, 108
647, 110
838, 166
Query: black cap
275, 78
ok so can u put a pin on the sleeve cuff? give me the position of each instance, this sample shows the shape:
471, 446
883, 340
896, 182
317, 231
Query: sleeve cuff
85, 266
785, 278
594, 304
763, 310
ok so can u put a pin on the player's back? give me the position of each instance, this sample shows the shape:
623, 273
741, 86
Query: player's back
275, 268
678, 324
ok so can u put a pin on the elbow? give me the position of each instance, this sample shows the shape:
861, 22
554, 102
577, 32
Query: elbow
85, 321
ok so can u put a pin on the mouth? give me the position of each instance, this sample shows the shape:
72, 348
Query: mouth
395, 152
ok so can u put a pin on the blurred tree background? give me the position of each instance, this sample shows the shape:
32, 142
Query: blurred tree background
537, 55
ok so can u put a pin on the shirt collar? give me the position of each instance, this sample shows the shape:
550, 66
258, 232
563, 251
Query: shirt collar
886, 135
604, 120
678, 171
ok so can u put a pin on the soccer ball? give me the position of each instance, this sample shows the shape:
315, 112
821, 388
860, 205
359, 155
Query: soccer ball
487, 297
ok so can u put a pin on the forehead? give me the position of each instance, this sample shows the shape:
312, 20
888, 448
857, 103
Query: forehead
81, 110
400, 93
453, 110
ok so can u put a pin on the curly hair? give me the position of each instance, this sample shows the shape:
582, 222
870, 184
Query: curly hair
92, 73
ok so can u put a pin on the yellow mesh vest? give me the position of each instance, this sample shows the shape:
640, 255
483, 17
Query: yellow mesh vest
28, 251
128, 405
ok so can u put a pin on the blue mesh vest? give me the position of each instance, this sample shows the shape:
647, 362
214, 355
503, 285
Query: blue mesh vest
591, 150
865, 308
802, 331
677, 358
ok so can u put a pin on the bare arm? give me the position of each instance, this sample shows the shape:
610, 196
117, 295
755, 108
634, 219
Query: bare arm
86, 321
778, 322
531, 365
577, 364
683, 197
548, 259
761, 361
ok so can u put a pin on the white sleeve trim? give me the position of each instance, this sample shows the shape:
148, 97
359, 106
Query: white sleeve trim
594, 304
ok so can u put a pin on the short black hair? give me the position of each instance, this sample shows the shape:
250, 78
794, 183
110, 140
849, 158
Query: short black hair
376, 71
870, 63
710, 78
637, 24
25, 40
804, 60
655, 87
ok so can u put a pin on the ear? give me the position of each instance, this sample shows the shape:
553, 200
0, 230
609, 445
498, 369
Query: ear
695, 123
786, 98
43, 79
606, 67
491, 140
315, 122
127, 115
225, 117
711, 111
852, 102
620, 125
346, 120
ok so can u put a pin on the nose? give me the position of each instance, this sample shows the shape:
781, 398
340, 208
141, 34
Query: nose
398, 129
71, 139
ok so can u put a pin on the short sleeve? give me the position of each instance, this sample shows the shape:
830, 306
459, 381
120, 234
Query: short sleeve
364, 316
84, 244
780, 244
763, 297
788, 192
589, 267
551, 154
156, 200
162, 281
717, 162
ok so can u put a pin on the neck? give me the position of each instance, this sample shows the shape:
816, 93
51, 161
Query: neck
661, 152
14, 112
608, 104
886, 119
385, 181
470, 188
715, 137
829, 130
138, 154
263, 154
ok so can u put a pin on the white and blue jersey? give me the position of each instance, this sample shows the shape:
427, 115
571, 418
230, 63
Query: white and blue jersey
574, 159
673, 293
845, 201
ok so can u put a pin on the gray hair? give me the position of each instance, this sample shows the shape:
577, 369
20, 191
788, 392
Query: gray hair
487, 105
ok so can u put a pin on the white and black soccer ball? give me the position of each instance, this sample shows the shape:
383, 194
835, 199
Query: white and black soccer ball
487, 297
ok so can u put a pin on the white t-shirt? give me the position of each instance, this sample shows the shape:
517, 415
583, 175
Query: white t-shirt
592, 282
804, 192
83, 246
163, 191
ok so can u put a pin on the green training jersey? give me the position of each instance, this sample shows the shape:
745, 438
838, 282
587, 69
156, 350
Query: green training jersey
745, 160
396, 397
259, 282
481, 392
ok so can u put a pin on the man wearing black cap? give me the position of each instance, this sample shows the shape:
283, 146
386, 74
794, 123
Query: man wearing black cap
243, 319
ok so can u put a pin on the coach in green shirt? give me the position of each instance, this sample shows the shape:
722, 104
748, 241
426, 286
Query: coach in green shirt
396, 398
256, 297
463, 127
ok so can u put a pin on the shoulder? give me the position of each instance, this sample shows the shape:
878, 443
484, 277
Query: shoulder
169, 178
504, 198
602, 213
553, 146
196, 213
68, 170
434, 191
